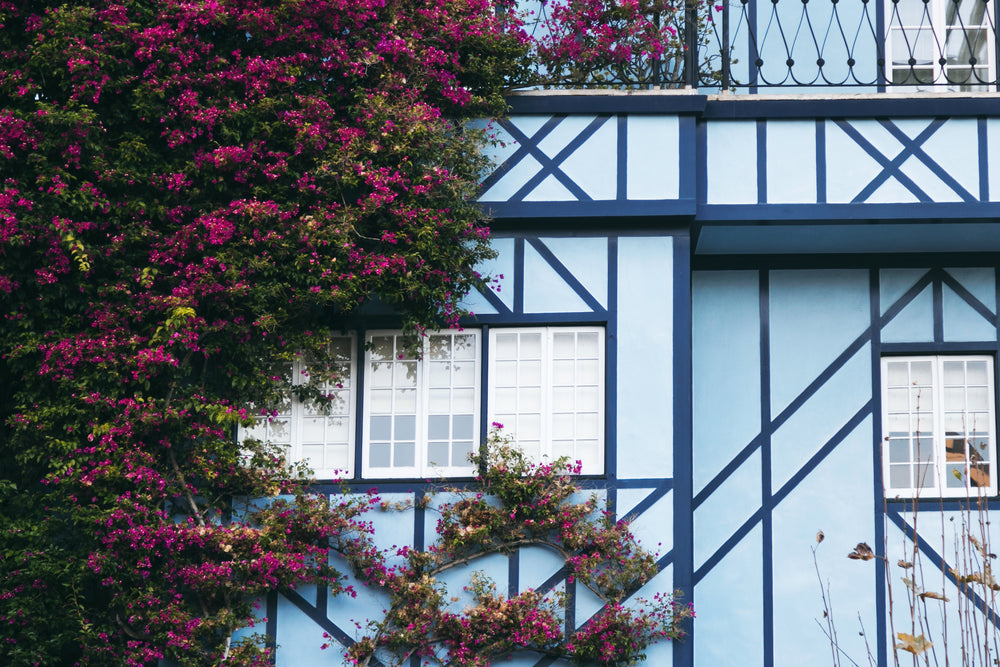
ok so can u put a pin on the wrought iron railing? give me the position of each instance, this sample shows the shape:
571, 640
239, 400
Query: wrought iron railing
749, 45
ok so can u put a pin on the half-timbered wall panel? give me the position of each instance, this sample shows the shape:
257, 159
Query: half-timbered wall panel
812, 460
553, 279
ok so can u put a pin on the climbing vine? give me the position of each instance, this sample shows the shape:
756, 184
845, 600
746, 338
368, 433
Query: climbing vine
519, 505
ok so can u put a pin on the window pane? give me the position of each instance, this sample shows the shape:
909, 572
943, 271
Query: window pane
531, 346
898, 400
405, 455
380, 428
405, 400
529, 372
563, 346
378, 455
954, 476
463, 374
954, 373
465, 347
898, 374
910, 12
462, 427
899, 477
440, 374
978, 398
437, 453
899, 451
505, 346
406, 427
380, 375
464, 400
461, 452
920, 373
563, 372
381, 348
438, 427
587, 344
977, 371
563, 398
440, 347
405, 374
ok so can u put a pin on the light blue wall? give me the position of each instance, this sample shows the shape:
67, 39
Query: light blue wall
764, 487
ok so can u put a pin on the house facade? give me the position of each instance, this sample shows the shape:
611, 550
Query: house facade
752, 315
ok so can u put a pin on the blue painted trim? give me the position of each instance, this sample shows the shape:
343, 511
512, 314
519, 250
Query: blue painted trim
687, 158
359, 403
524, 148
646, 483
419, 521
701, 169
431, 485
484, 379
843, 261
590, 209
809, 391
570, 608
494, 300
821, 161
519, 275
634, 102
728, 545
646, 503
733, 107
513, 574
621, 159
941, 564
878, 522
890, 168
271, 626
767, 532
967, 296
913, 145
683, 537
984, 164
322, 621
551, 166
611, 371
761, 161
847, 214
512, 319
783, 492
566, 275
937, 298
936, 505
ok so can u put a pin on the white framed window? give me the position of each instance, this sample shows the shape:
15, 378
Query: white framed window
319, 433
547, 389
948, 42
940, 427
421, 414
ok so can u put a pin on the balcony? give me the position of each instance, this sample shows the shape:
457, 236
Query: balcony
769, 46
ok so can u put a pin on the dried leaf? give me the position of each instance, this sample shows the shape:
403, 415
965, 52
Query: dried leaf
861, 552
931, 595
905, 564
820, 536
915, 645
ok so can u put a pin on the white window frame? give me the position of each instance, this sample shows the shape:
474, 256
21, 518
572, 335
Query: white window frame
423, 409
904, 405
590, 451
289, 427
931, 31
